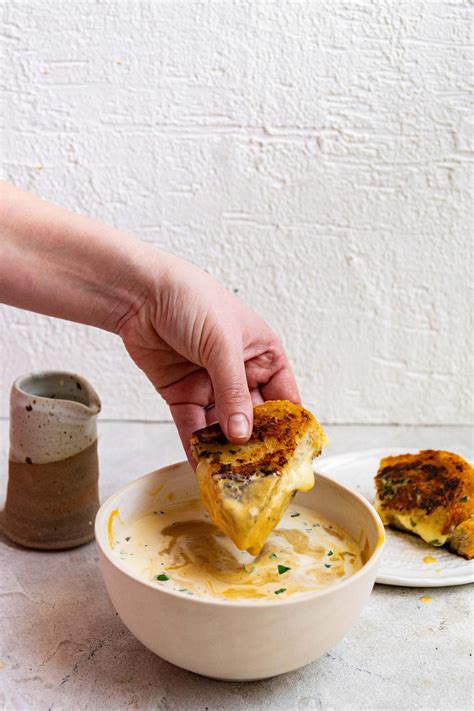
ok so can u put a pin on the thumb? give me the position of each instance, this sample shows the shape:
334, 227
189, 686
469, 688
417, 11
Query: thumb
233, 403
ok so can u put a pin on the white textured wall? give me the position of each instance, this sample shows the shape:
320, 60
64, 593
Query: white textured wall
312, 155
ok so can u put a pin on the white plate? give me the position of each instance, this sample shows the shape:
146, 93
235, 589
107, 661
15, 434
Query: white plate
402, 561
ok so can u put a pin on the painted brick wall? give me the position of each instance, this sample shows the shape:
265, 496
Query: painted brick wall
314, 156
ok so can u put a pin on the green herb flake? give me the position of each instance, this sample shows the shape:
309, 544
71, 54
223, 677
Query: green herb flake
327, 565
412, 523
282, 569
436, 542
128, 538
272, 556
162, 577
387, 488
294, 515
330, 553
279, 591
316, 525
248, 570
463, 499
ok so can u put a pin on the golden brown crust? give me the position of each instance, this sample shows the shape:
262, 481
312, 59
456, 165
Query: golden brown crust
435, 487
462, 540
246, 488
277, 427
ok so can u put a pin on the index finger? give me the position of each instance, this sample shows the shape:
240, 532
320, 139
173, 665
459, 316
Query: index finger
282, 385
188, 417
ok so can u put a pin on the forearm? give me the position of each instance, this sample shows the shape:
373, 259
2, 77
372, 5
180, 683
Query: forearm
58, 263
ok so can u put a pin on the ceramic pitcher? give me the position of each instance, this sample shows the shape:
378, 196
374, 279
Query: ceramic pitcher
52, 494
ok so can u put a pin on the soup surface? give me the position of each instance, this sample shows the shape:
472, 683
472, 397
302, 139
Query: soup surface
179, 548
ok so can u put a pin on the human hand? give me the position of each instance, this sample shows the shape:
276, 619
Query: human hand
207, 354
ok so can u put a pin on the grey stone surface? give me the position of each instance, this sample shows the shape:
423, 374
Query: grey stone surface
63, 646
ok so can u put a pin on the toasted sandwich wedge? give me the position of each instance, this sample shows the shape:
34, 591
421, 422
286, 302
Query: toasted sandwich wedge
430, 494
246, 488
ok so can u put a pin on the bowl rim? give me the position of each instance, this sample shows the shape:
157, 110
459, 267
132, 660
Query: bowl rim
101, 537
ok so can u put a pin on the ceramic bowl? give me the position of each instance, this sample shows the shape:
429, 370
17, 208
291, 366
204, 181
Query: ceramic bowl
239, 640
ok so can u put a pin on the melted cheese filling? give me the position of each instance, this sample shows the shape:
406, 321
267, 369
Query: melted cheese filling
179, 548
248, 512
427, 531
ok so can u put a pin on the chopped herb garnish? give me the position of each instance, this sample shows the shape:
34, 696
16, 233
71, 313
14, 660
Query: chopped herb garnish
387, 488
436, 542
413, 523
272, 556
330, 553
183, 590
463, 499
294, 515
282, 569
279, 591
248, 570
161, 577
128, 538
327, 565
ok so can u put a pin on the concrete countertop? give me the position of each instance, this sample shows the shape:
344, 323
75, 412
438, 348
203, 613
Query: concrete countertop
64, 647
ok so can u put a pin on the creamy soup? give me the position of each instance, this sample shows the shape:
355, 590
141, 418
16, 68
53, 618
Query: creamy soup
180, 549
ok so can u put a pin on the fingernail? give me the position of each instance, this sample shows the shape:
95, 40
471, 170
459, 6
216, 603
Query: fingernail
238, 426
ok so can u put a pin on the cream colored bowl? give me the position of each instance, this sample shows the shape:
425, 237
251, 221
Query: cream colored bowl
237, 640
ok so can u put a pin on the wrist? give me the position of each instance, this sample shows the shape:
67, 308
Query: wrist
136, 272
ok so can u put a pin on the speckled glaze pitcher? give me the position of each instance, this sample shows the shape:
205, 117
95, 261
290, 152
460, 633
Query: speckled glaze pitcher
52, 495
